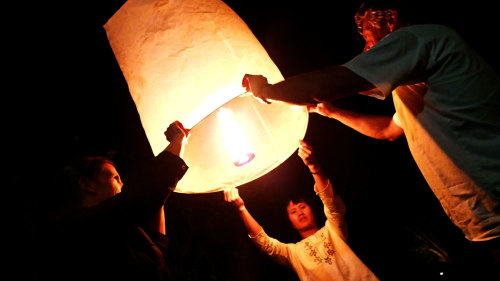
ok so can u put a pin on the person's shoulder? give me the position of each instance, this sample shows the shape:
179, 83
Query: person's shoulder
425, 26
427, 34
429, 28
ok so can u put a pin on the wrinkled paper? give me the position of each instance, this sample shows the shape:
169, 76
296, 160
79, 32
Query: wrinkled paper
183, 59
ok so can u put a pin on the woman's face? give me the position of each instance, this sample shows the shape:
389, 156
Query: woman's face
301, 216
107, 183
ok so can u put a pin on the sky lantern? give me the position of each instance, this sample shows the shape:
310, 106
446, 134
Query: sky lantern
184, 60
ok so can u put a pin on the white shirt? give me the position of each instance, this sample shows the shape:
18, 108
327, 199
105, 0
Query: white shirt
324, 255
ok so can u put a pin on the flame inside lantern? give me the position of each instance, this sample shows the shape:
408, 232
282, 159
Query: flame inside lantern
237, 145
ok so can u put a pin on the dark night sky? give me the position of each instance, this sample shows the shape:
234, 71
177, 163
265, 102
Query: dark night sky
76, 102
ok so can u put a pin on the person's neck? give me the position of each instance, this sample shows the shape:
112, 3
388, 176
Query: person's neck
308, 232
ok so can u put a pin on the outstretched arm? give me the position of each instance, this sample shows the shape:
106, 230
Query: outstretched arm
375, 126
333, 205
231, 195
277, 250
306, 154
328, 84
177, 136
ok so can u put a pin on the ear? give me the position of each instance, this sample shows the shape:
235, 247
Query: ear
393, 20
87, 186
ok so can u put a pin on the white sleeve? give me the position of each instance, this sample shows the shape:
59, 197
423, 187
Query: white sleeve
334, 209
278, 251
396, 120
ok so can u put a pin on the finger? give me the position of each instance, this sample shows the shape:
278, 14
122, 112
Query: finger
304, 143
305, 147
234, 194
171, 132
246, 82
182, 128
304, 155
311, 108
185, 131
300, 151
263, 101
228, 193
301, 154
178, 125
304, 150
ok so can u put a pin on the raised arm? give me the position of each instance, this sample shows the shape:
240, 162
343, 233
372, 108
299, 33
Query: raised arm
305, 152
177, 136
232, 196
375, 126
309, 88
277, 250
334, 207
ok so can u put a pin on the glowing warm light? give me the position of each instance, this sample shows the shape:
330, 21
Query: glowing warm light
235, 140
184, 59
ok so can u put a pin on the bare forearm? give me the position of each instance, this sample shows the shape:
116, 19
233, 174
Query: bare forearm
320, 179
252, 226
378, 127
232, 196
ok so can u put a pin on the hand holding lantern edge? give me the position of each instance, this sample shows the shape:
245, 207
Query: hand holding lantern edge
306, 153
232, 196
255, 85
177, 135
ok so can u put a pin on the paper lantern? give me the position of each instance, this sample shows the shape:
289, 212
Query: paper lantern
184, 60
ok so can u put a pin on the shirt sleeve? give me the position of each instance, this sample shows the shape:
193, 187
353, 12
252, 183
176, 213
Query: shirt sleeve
141, 197
396, 120
334, 209
278, 251
396, 60
148, 192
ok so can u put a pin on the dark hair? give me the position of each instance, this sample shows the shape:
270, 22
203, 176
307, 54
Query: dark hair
87, 167
68, 182
302, 198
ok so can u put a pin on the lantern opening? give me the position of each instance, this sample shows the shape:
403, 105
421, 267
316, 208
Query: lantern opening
244, 159
237, 145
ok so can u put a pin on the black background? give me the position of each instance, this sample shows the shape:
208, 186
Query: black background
67, 97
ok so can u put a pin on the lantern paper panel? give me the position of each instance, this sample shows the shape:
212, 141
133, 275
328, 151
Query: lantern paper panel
184, 60
272, 132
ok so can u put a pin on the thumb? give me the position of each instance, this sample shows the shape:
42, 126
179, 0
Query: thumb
246, 82
312, 108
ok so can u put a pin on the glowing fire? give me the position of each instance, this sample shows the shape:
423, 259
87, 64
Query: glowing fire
237, 145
